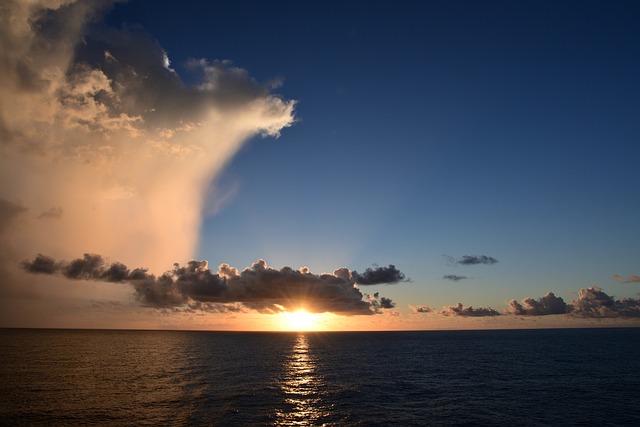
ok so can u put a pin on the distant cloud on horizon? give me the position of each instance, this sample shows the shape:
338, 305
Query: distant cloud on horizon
460, 310
592, 302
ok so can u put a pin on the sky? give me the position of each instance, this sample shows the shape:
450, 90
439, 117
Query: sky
404, 165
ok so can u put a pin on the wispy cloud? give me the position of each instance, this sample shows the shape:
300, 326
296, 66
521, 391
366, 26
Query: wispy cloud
634, 278
454, 277
195, 286
8, 211
53, 213
469, 260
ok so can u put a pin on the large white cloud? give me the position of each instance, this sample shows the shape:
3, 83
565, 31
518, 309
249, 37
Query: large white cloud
103, 148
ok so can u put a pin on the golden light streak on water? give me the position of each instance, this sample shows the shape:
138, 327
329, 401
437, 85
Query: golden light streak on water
302, 388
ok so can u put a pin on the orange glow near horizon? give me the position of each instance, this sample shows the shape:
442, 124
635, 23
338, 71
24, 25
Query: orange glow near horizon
302, 320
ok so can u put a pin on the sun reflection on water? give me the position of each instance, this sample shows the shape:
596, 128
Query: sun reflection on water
302, 388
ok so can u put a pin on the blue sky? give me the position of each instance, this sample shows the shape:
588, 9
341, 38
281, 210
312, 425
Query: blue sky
423, 130
431, 128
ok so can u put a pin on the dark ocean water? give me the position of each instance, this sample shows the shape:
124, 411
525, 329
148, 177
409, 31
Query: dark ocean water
535, 377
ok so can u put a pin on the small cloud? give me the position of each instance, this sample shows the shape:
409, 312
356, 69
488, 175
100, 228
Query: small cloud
631, 279
421, 309
454, 277
53, 213
470, 260
378, 303
460, 310
379, 275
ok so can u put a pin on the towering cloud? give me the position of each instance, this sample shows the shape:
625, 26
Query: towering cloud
103, 147
101, 135
195, 286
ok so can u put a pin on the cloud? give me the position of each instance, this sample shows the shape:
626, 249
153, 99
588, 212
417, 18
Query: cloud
8, 211
549, 304
379, 275
591, 302
195, 286
460, 310
108, 146
470, 260
53, 213
454, 277
379, 303
421, 309
631, 279
594, 302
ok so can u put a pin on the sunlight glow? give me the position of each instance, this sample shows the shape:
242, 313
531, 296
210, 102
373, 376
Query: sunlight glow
300, 320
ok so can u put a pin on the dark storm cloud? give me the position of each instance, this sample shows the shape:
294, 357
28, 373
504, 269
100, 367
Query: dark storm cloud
8, 211
631, 279
594, 302
379, 275
460, 310
259, 288
454, 277
549, 304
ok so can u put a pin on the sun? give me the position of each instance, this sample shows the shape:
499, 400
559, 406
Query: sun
300, 320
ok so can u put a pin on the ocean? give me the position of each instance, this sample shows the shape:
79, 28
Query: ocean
151, 378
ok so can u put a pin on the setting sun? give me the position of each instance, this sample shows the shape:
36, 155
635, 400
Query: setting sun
300, 320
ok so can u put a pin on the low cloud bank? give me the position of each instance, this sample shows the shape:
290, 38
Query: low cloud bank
260, 287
